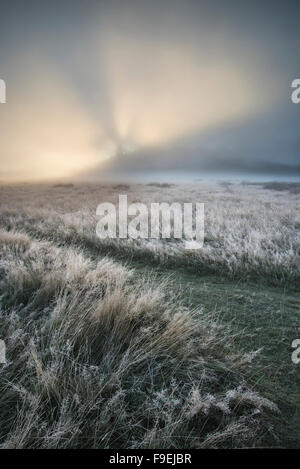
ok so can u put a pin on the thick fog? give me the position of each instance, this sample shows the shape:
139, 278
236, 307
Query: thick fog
96, 87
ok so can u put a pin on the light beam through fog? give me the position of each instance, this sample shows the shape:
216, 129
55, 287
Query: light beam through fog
164, 93
47, 132
156, 91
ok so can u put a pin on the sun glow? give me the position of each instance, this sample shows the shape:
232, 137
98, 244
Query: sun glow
156, 94
162, 96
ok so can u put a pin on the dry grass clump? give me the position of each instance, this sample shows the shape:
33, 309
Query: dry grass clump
96, 360
13, 241
42, 270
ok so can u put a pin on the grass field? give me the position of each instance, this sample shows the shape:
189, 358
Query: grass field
143, 344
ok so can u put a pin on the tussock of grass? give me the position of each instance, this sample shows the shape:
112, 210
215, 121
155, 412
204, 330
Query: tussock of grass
96, 360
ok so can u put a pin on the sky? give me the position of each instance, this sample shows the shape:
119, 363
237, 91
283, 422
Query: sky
96, 88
